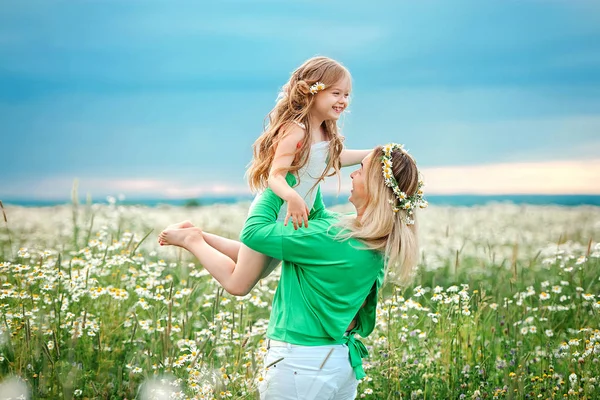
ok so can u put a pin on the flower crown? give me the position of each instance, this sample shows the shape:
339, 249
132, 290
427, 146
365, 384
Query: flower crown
317, 87
405, 202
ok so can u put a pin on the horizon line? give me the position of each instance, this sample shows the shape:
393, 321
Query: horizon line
124, 199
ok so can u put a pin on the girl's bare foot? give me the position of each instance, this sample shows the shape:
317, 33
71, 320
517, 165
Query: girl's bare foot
180, 237
178, 225
181, 225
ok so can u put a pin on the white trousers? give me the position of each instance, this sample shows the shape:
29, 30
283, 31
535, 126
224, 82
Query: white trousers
293, 372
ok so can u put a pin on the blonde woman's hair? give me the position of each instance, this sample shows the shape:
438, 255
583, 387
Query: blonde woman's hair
380, 228
294, 107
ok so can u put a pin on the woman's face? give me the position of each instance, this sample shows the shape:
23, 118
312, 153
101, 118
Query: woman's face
358, 194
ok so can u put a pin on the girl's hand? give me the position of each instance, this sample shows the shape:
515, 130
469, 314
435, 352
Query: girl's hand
298, 211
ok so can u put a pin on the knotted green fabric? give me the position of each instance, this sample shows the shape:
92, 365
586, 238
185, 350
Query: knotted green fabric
358, 351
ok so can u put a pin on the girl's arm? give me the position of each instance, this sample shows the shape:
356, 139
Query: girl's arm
284, 156
353, 157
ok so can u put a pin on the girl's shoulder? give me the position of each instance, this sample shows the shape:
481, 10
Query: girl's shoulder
294, 127
293, 131
300, 124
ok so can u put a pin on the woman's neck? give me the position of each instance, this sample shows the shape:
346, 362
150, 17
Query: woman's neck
359, 213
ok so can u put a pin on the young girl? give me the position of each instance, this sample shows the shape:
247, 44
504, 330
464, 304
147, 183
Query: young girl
302, 139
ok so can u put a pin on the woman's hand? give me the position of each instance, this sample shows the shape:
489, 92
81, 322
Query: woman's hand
298, 211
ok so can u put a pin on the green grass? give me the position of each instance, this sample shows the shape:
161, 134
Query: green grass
505, 305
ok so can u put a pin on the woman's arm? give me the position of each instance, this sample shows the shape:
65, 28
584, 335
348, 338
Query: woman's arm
219, 255
353, 157
262, 233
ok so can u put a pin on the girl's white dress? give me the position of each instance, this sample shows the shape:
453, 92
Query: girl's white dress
308, 175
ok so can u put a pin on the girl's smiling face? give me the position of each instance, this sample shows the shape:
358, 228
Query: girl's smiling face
331, 102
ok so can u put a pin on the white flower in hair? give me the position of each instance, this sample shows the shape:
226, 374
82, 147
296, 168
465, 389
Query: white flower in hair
387, 174
317, 87
388, 148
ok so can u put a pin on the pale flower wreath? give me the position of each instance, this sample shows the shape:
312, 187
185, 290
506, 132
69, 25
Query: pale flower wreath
401, 201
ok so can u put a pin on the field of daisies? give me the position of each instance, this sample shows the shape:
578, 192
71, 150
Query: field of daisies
505, 304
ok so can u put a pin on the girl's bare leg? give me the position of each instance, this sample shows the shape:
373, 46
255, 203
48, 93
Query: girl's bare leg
241, 254
233, 248
237, 278
229, 247
248, 257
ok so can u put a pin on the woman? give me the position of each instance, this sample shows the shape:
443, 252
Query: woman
330, 277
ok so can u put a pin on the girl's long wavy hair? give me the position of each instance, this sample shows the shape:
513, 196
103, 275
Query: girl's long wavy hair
294, 106
380, 228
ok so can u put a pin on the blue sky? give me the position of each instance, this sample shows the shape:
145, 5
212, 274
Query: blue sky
152, 98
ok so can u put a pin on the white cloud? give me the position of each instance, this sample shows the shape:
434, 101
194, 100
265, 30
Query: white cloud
553, 177
61, 187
